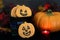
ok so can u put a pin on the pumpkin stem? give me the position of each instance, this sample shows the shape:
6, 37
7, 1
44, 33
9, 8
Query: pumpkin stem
25, 22
49, 12
23, 5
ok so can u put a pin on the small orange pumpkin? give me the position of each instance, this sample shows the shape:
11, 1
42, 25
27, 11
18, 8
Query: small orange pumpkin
48, 20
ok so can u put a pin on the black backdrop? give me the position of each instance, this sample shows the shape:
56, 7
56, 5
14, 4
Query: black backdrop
33, 4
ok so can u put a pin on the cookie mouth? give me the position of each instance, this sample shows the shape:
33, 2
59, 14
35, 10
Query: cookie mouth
23, 14
27, 33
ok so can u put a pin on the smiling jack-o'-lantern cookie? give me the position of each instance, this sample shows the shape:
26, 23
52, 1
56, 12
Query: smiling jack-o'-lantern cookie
21, 11
26, 30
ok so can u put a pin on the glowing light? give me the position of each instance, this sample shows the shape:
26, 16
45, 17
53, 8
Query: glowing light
45, 32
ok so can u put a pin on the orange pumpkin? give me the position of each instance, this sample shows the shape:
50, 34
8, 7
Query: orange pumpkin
48, 20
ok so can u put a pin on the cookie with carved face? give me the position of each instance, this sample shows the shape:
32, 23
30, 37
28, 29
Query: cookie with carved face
23, 11
26, 30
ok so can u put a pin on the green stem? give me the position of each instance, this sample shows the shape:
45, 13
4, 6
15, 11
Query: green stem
49, 12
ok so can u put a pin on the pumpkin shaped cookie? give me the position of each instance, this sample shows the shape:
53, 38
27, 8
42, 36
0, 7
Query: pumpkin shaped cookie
26, 30
13, 11
23, 11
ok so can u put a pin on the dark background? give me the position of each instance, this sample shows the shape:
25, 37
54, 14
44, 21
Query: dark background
33, 4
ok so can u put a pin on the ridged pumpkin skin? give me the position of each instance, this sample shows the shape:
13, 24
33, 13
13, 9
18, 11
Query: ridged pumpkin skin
48, 22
